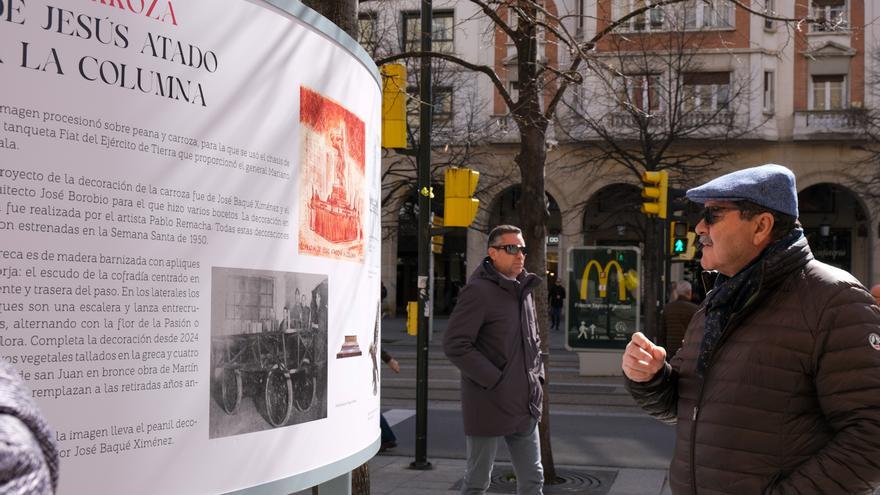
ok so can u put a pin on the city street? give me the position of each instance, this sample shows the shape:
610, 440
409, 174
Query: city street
597, 431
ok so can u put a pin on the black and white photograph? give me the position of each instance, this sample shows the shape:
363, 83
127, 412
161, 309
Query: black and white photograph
268, 350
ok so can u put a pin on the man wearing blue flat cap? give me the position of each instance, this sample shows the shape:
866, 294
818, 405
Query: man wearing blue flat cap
776, 389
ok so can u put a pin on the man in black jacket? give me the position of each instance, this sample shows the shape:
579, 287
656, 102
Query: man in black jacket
556, 295
776, 389
492, 337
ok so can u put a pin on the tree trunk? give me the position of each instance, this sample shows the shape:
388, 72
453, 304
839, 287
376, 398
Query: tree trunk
360, 480
653, 278
533, 215
343, 13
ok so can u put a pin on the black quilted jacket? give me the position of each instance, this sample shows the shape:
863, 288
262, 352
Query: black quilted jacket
791, 401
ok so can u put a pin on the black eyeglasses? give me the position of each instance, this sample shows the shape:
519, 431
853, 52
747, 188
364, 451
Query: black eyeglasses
513, 249
711, 214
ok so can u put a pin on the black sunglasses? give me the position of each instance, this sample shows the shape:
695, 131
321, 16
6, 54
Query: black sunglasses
513, 249
711, 214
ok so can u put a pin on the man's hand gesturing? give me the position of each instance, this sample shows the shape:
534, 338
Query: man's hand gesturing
642, 359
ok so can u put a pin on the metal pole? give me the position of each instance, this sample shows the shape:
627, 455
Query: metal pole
667, 275
424, 185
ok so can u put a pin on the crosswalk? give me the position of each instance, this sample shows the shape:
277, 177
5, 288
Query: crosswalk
395, 416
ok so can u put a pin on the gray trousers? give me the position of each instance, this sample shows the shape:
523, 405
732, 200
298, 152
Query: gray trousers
525, 454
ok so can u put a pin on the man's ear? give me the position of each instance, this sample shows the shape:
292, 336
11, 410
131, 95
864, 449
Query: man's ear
763, 227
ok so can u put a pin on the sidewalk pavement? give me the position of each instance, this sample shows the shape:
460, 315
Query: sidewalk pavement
391, 475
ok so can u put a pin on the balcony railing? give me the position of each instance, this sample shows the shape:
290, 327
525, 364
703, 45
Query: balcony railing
709, 121
840, 124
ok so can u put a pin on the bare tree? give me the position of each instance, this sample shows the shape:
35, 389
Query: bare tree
532, 103
649, 103
867, 121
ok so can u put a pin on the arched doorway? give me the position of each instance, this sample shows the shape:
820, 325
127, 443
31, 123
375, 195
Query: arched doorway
506, 211
612, 217
449, 262
836, 226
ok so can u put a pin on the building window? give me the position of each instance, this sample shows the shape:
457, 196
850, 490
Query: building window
367, 32
769, 9
649, 20
639, 91
831, 13
706, 91
708, 14
443, 108
441, 31
829, 93
769, 91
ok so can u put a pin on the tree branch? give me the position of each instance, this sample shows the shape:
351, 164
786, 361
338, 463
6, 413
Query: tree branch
496, 81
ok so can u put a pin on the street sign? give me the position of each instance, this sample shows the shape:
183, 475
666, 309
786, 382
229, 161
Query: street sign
603, 303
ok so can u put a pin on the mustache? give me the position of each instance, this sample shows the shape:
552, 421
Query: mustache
705, 240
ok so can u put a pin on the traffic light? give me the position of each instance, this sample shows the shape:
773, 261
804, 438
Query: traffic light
393, 106
678, 238
459, 206
682, 242
655, 188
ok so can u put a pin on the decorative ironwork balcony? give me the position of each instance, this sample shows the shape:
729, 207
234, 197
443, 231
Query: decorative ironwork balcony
832, 124
703, 123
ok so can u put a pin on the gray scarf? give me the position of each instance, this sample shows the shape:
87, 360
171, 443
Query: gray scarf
731, 296
28, 454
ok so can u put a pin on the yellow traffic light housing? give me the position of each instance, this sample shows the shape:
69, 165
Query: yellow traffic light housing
437, 240
459, 206
393, 105
655, 188
412, 318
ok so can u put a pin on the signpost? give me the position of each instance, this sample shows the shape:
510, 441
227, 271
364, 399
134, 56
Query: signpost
604, 300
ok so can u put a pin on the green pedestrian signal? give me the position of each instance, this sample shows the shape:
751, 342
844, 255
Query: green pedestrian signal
682, 242
679, 246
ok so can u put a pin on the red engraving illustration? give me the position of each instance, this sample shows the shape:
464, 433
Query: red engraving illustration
332, 179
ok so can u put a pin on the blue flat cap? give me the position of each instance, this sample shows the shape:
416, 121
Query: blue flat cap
771, 186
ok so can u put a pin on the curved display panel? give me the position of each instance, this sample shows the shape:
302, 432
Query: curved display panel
189, 272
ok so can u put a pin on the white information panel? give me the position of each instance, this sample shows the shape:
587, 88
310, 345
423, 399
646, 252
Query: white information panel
189, 240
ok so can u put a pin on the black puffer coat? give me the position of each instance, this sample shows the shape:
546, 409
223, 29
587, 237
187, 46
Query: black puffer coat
790, 403
492, 337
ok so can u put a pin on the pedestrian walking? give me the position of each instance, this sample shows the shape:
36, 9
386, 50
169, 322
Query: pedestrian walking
677, 315
776, 389
389, 439
492, 337
556, 294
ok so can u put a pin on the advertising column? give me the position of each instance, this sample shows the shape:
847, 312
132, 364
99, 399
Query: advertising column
189, 265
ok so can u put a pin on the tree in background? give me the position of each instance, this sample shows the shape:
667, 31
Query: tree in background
650, 103
531, 85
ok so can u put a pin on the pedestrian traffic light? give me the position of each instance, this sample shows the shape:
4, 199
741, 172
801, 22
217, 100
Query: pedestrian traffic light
393, 105
459, 206
656, 185
682, 242
678, 242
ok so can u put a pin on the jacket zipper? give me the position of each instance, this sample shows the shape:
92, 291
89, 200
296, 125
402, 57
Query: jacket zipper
696, 412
